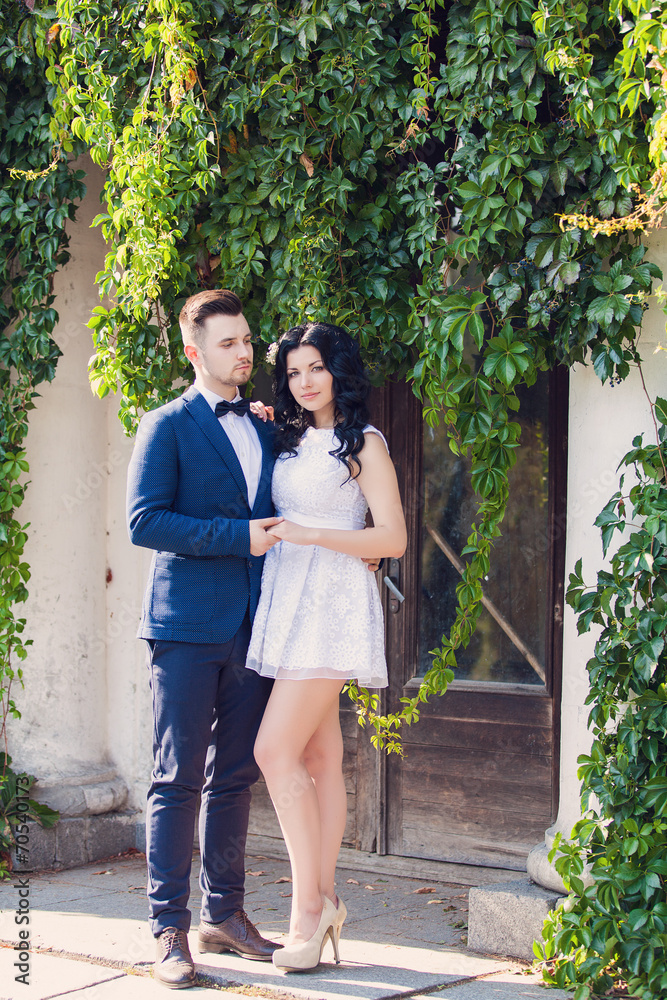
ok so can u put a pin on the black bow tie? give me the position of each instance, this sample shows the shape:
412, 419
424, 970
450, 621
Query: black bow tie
240, 407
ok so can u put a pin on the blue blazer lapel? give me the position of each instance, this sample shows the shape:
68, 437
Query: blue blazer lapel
265, 434
199, 409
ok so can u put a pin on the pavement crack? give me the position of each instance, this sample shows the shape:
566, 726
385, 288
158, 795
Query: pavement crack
126, 968
440, 987
266, 992
86, 986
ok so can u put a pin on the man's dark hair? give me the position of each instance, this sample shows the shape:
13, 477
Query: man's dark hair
197, 309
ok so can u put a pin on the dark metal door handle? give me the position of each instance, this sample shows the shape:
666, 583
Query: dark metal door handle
390, 581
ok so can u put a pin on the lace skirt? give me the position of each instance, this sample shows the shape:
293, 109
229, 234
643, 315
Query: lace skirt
319, 615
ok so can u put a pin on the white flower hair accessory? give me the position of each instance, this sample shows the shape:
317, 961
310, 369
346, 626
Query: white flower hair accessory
272, 353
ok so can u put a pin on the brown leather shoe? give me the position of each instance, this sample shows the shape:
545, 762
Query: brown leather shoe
173, 962
236, 934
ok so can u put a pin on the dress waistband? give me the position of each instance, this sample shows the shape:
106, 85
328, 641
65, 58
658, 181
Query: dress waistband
314, 521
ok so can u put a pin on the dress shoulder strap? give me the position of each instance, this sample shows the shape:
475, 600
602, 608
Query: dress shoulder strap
369, 429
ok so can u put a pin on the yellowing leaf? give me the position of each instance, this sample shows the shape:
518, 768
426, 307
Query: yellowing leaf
308, 164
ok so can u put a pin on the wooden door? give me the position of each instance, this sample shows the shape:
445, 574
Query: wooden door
479, 781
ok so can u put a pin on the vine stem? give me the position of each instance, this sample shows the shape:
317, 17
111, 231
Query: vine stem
5, 693
655, 422
212, 117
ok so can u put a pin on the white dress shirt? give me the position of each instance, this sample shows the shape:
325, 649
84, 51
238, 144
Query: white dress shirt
244, 438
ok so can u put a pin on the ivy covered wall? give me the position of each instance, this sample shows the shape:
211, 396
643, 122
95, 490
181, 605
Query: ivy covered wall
345, 159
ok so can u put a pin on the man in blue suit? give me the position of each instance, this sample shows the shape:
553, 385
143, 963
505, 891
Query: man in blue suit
199, 495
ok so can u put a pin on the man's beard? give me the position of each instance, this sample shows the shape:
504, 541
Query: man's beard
238, 378
234, 379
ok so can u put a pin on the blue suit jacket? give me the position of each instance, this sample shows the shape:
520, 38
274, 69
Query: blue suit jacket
188, 500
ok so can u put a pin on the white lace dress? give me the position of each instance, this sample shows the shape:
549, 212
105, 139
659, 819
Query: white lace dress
319, 612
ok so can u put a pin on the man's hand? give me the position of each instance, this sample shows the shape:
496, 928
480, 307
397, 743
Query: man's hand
373, 563
260, 541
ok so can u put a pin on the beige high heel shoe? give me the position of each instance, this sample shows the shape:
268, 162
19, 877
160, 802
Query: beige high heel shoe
307, 955
341, 913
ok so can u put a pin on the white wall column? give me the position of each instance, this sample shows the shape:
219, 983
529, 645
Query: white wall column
62, 736
602, 424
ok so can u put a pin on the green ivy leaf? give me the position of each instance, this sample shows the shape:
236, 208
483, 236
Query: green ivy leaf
660, 408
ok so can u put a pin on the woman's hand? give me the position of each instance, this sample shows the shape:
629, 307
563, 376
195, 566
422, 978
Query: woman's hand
258, 408
297, 534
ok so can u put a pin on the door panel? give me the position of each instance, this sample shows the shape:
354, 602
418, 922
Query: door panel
478, 781
510, 639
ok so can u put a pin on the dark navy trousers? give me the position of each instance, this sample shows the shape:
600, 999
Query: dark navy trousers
206, 712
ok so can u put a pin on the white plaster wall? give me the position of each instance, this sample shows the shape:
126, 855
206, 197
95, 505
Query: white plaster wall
85, 706
64, 702
129, 719
603, 422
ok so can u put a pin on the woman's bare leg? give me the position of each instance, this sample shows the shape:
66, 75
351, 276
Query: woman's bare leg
323, 758
294, 714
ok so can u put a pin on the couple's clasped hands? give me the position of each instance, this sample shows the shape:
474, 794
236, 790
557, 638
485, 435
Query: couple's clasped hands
266, 531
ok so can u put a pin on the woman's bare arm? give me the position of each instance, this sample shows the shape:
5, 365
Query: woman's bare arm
387, 537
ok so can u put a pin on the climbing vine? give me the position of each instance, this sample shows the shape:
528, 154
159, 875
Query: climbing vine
349, 160
38, 189
464, 188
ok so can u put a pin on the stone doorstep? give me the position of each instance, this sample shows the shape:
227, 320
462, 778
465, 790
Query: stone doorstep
506, 919
76, 841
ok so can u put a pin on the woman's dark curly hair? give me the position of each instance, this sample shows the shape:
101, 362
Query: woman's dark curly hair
340, 356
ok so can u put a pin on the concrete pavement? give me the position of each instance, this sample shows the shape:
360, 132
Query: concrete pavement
404, 937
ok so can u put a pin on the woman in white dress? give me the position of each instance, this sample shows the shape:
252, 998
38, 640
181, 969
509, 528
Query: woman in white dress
319, 621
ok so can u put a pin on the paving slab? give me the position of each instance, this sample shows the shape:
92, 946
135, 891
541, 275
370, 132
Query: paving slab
145, 988
366, 971
55, 977
513, 984
107, 938
55, 895
381, 908
49, 976
114, 875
